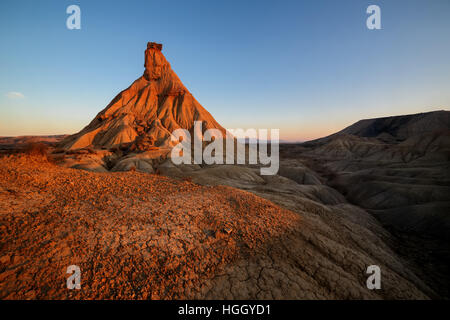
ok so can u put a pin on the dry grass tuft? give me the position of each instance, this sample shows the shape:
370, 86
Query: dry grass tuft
36, 149
187, 179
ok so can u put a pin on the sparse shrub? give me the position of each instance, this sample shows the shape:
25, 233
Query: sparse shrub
58, 150
187, 179
124, 148
114, 149
110, 161
56, 158
36, 149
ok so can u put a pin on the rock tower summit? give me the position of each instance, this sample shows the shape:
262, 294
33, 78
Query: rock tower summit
154, 45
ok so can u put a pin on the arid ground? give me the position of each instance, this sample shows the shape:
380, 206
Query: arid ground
140, 235
109, 200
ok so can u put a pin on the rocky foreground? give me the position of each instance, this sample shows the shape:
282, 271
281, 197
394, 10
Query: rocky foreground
144, 236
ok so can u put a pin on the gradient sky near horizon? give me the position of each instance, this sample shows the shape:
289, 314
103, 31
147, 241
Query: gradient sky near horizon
309, 68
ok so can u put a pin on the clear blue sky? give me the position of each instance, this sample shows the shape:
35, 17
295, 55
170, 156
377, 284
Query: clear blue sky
309, 67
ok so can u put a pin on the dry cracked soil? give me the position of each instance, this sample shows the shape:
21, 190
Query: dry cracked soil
137, 235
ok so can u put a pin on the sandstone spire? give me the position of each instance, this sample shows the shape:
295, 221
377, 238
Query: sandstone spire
145, 113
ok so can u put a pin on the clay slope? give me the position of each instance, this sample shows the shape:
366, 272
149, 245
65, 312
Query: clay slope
406, 182
145, 114
397, 169
144, 236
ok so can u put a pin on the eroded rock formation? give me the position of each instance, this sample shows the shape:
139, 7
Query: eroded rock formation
145, 114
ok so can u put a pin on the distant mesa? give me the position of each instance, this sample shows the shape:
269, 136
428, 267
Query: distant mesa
144, 115
401, 127
395, 128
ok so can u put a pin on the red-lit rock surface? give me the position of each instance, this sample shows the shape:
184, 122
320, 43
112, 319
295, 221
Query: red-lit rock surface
132, 234
148, 111
138, 235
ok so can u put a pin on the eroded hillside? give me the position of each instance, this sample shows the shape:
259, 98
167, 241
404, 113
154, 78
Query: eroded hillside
140, 235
